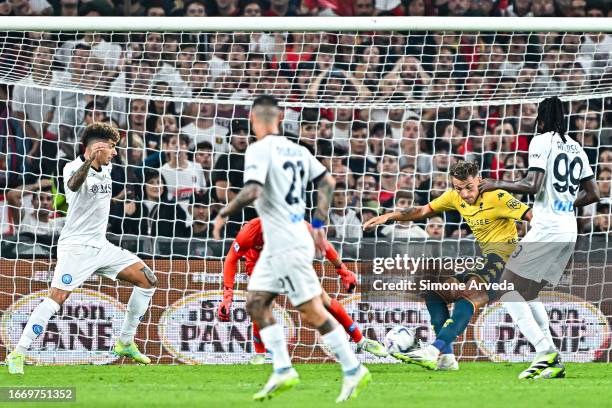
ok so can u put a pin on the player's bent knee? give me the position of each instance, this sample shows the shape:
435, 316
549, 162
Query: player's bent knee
59, 296
151, 279
451, 294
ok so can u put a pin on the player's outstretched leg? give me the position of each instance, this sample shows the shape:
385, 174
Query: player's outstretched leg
438, 312
144, 280
36, 325
356, 376
259, 357
336, 309
284, 377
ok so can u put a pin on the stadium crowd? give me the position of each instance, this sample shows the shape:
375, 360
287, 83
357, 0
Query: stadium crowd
179, 100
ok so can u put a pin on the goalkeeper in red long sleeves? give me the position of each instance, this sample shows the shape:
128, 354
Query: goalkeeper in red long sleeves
249, 243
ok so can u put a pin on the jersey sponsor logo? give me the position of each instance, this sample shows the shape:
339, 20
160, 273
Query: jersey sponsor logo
190, 331
474, 223
101, 188
82, 332
375, 319
563, 206
514, 204
66, 279
579, 329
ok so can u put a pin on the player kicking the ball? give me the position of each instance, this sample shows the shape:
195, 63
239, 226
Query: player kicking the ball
276, 172
249, 243
83, 249
561, 179
491, 217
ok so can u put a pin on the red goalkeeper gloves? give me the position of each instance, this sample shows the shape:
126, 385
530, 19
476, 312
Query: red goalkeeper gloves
226, 305
348, 278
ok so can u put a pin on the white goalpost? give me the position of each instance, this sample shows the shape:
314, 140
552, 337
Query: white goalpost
386, 103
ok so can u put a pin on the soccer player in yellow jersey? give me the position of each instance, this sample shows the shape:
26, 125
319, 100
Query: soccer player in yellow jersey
491, 216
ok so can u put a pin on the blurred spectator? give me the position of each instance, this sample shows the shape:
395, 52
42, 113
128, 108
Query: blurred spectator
204, 157
200, 215
404, 229
183, 177
149, 214
69, 8
32, 212
343, 221
205, 129
229, 167
435, 227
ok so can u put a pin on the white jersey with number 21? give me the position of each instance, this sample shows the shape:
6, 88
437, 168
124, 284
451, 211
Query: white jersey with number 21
565, 165
283, 168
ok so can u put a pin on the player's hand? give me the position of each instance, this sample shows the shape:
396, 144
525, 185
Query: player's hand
225, 306
95, 149
219, 223
348, 278
129, 207
487, 185
371, 223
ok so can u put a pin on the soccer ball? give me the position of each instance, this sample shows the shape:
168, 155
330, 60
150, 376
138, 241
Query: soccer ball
400, 339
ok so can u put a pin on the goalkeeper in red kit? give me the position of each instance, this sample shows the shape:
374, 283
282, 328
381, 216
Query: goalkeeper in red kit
249, 243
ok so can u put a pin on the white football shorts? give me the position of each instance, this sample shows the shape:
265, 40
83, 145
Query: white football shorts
290, 273
542, 256
76, 263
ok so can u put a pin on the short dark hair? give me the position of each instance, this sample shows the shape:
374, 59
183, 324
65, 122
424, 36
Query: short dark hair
182, 138
204, 146
358, 125
403, 194
99, 131
464, 169
265, 100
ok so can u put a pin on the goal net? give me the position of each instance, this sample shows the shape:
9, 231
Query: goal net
386, 111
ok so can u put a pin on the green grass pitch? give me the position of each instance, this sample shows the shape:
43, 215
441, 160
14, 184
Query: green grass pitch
393, 385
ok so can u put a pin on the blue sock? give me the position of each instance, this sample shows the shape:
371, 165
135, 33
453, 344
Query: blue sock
440, 344
438, 311
462, 313
447, 349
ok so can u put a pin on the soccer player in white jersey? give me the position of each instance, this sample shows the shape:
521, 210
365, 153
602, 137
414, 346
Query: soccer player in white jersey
83, 249
276, 172
561, 178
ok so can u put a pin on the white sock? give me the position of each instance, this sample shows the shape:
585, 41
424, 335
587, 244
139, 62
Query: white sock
541, 317
339, 345
520, 311
37, 323
136, 308
274, 338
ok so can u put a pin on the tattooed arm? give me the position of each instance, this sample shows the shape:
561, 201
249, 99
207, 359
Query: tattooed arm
325, 191
407, 214
78, 178
247, 195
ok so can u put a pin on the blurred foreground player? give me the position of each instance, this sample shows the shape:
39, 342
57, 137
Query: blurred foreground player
276, 172
561, 179
83, 249
249, 243
491, 217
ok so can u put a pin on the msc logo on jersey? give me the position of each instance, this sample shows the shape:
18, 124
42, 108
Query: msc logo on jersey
514, 204
66, 279
101, 188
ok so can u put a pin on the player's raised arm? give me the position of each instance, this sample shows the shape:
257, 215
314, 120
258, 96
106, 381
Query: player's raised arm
80, 175
407, 214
